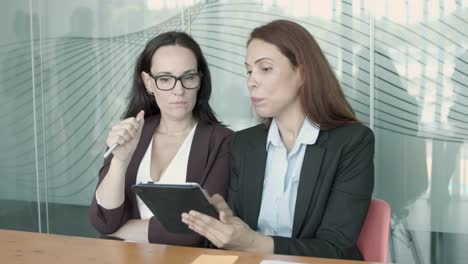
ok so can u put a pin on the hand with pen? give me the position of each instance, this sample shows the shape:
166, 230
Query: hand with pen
124, 137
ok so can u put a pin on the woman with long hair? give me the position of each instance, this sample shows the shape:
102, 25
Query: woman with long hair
169, 134
301, 182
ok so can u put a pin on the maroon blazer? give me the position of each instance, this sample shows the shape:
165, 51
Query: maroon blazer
208, 165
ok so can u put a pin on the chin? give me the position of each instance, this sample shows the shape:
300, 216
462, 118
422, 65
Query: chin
264, 113
182, 116
177, 114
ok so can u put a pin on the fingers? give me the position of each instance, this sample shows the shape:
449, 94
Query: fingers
126, 130
140, 119
121, 135
221, 205
208, 227
140, 116
128, 123
124, 137
225, 218
137, 122
208, 235
116, 139
235, 235
202, 221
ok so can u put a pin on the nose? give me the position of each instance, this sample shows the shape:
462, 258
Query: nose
252, 82
178, 88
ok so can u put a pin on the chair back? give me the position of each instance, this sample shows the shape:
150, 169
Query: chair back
373, 240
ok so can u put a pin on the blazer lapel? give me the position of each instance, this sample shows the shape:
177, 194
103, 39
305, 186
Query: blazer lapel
198, 156
309, 175
255, 163
146, 136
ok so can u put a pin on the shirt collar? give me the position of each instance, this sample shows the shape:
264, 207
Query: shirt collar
307, 135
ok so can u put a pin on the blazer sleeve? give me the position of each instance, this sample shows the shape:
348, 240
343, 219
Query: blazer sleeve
104, 220
216, 181
346, 209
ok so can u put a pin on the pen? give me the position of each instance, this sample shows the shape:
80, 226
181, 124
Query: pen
109, 151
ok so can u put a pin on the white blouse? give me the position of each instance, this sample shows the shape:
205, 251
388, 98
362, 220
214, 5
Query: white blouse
176, 171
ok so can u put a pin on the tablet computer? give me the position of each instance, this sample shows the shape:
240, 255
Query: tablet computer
168, 201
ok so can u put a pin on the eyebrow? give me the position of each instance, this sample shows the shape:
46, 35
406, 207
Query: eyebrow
262, 58
170, 73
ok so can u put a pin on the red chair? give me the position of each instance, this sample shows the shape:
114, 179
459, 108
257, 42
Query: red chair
373, 240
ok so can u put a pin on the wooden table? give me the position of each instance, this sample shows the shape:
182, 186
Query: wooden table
24, 247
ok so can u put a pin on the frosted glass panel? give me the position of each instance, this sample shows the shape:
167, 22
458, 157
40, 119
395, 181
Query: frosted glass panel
20, 172
420, 124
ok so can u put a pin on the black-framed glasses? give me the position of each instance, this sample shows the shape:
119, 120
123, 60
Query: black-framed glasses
167, 82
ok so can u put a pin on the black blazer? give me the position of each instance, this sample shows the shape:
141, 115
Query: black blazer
208, 165
334, 193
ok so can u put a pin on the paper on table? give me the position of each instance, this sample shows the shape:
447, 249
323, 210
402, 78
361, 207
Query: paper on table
278, 262
215, 259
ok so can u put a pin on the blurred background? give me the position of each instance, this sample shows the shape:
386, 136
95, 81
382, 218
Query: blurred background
66, 68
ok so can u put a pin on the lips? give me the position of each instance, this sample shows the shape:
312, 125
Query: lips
256, 100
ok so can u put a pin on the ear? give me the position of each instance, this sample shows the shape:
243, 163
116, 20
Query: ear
147, 81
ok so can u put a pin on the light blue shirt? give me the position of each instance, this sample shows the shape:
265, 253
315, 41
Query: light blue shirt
282, 174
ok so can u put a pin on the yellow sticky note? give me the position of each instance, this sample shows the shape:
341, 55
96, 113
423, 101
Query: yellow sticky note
215, 259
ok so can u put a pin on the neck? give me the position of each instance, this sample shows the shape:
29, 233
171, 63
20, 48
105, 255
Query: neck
175, 127
290, 122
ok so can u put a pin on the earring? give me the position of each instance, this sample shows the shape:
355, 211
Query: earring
150, 93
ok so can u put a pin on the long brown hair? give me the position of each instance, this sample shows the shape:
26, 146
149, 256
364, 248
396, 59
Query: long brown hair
321, 96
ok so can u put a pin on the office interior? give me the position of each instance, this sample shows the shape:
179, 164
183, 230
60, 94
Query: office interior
66, 69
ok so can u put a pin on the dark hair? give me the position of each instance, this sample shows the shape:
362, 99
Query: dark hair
321, 97
139, 98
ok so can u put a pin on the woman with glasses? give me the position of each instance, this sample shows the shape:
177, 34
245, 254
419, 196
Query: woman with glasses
301, 183
169, 134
